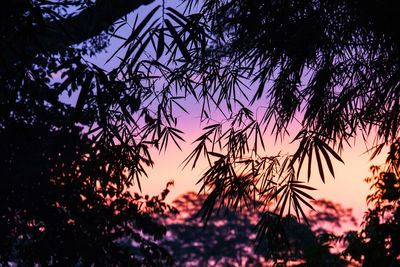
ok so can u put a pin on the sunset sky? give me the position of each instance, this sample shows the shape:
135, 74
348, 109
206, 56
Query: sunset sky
200, 133
348, 188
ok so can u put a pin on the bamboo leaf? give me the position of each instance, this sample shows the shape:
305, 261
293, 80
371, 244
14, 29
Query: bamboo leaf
132, 47
329, 149
377, 151
328, 160
100, 104
140, 51
304, 201
310, 152
286, 194
216, 154
140, 27
298, 207
182, 17
161, 44
300, 184
275, 195
136, 31
319, 162
178, 40
299, 150
303, 156
302, 193
83, 94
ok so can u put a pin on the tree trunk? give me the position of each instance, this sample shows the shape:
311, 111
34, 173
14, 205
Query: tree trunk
59, 34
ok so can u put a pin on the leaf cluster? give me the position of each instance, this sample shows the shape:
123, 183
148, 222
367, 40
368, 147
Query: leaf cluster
330, 66
229, 239
66, 168
377, 242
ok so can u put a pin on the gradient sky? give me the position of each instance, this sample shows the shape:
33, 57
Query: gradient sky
348, 188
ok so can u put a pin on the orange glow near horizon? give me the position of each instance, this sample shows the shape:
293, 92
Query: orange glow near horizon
347, 188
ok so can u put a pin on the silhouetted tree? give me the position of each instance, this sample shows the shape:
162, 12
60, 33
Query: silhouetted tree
329, 215
65, 174
331, 68
331, 65
378, 242
225, 241
229, 238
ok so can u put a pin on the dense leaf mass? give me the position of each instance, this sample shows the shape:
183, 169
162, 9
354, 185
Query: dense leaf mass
254, 68
377, 243
329, 67
64, 198
229, 237
51, 212
335, 62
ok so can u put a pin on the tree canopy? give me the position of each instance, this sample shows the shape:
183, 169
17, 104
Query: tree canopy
377, 242
64, 186
229, 238
328, 67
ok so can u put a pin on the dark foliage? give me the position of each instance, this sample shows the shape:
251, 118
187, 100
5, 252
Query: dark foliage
225, 241
330, 67
51, 212
229, 237
65, 173
378, 241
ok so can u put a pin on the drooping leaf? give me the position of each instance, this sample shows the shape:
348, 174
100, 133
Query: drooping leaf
83, 94
319, 163
136, 31
160, 44
178, 40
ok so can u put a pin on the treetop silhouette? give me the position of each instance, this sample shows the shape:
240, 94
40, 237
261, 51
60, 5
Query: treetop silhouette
330, 67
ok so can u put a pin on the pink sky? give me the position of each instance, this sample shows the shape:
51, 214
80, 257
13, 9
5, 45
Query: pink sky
347, 188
